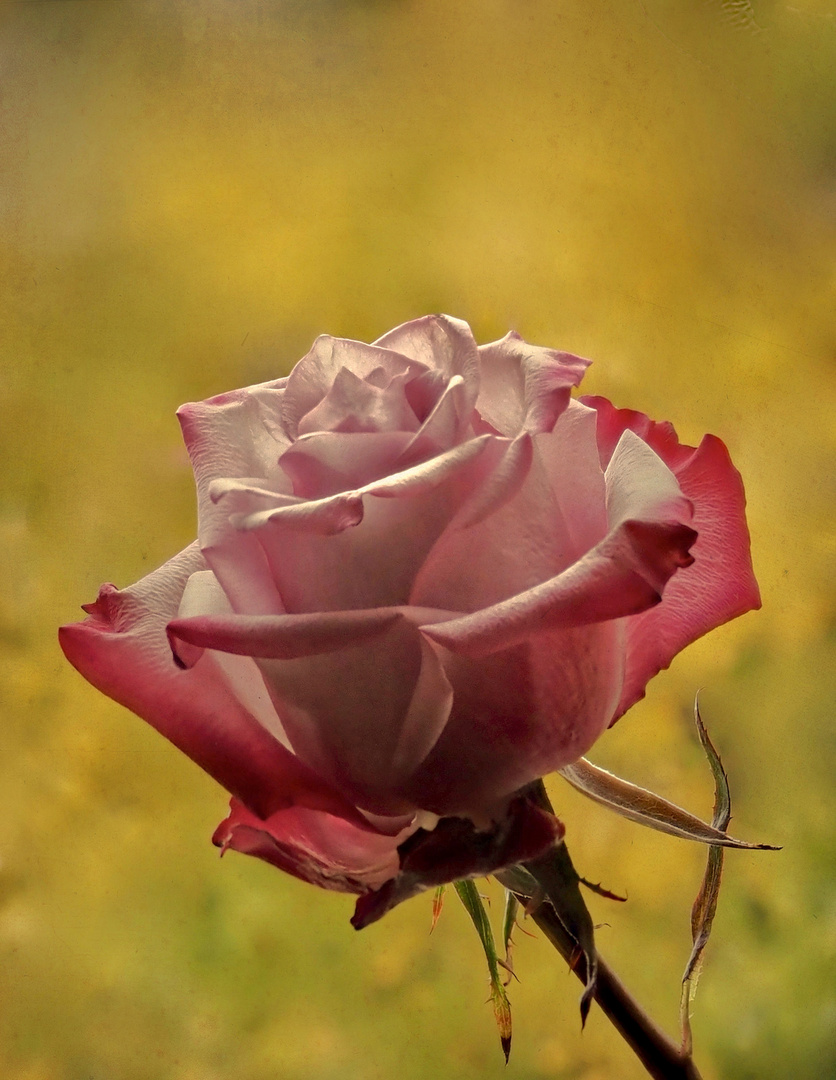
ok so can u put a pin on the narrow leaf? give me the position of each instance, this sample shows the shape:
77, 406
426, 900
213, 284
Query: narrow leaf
705, 905
474, 906
639, 804
438, 903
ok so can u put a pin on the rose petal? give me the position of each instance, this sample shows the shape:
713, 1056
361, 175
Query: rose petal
317, 847
362, 567
204, 596
519, 714
363, 717
622, 575
640, 487
323, 517
314, 375
501, 484
660, 435
719, 586
440, 343
328, 462
447, 423
721, 583
239, 435
278, 637
517, 528
122, 650
357, 405
525, 387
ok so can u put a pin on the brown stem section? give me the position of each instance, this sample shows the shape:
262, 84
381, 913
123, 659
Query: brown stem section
660, 1056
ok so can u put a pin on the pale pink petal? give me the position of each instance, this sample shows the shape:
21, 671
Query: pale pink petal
501, 484
640, 486
317, 847
427, 714
441, 343
623, 574
239, 435
525, 387
363, 566
447, 423
423, 392
364, 716
620, 576
519, 714
323, 517
353, 404
422, 478
122, 649
203, 596
520, 524
278, 637
568, 456
328, 462
314, 375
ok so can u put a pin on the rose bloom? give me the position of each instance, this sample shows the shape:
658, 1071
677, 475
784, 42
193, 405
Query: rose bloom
424, 577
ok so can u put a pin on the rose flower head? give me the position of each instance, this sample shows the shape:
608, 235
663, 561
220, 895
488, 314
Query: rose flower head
425, 576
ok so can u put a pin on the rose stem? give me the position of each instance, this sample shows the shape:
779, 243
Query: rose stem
660, 1056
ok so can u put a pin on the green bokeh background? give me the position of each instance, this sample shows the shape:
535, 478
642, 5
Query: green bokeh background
192, 191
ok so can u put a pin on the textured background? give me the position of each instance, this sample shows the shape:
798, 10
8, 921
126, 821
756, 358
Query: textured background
193, 190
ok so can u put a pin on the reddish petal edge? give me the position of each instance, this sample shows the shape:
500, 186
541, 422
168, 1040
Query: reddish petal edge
456, 849
123, 651
314, 846
720, 584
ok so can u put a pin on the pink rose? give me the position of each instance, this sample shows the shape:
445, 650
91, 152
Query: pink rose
425, 576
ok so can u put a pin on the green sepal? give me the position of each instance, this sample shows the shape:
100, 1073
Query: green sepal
474, 906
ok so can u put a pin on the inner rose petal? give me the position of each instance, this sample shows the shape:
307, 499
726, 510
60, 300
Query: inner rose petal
355, 404
314, 375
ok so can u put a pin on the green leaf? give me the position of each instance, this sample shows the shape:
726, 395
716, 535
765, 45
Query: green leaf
639, 804
438, 903
474, 906
705, 905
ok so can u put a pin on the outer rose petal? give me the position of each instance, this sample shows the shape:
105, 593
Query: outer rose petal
122, 650
519, 714
315, 846
720, 585
622, 575
237, 434
525, 387
537, 676
365, 716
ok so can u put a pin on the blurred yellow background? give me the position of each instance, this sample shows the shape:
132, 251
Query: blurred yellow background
192, 191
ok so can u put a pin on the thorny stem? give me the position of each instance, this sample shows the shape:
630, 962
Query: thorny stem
660, 1056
